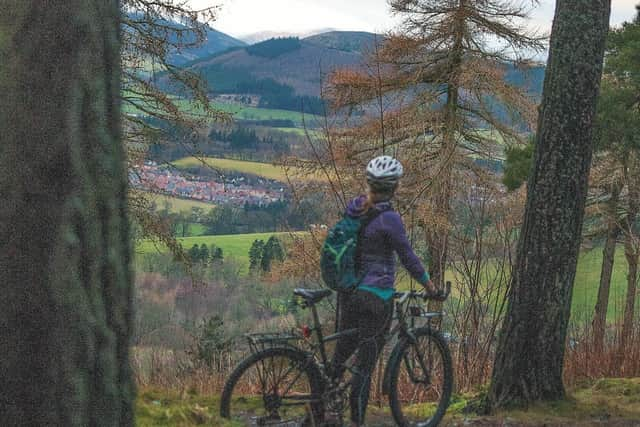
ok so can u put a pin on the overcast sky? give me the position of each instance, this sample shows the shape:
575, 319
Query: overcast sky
242, 17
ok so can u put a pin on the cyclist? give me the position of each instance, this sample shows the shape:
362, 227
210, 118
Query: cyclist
370, 307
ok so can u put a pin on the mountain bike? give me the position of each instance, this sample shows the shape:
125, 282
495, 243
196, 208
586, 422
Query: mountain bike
283, 384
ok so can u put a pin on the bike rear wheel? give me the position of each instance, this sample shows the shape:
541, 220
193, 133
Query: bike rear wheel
274, 387
420, 379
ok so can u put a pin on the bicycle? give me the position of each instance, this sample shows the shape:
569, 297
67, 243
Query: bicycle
294, 388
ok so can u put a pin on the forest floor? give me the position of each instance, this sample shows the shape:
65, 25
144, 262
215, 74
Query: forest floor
605, 402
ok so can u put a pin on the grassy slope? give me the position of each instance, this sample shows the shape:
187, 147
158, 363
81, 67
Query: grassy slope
585, 288
177, 204
592, 402
614, 400
240, 112
154, 408
585, 291
261, 169
254, 113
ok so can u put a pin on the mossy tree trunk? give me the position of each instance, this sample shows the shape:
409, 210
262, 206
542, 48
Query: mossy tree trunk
530, 352
66, 306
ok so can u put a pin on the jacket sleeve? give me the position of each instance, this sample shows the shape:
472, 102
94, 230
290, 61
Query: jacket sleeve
400, 243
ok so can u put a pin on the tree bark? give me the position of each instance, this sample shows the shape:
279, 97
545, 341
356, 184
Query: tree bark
530, 352
438, 237
608, 255
631, 254
66, 308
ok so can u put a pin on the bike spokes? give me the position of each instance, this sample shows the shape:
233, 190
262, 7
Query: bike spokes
421, 381
275, 391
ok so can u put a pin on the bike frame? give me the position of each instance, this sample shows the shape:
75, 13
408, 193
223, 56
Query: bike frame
401, 328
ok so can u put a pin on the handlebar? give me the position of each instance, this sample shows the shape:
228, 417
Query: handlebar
441, 295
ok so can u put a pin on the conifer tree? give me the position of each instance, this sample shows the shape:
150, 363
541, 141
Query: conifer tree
530, 352
435, 95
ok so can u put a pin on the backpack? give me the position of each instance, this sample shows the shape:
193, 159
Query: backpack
339, 258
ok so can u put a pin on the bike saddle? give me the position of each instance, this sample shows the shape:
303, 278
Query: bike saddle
312, 296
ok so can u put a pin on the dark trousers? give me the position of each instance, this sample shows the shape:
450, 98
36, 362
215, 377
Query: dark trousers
372, 316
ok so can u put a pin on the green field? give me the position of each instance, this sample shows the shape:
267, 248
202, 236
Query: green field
238, 112
265, 170
235, 245
297, 131
178, 205
585, 289
584, 293
254, 113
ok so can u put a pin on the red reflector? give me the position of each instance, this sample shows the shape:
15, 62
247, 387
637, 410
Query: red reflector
306, 331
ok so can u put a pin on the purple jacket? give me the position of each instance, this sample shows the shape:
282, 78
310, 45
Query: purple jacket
382, 237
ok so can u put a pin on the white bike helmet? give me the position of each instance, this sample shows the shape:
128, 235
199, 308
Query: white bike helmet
383, 173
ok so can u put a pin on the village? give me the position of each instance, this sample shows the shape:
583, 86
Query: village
235, 189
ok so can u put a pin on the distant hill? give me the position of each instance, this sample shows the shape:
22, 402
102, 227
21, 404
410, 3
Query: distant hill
532, 79
348, 41
287, 72
215, 42
299, 64
266, 35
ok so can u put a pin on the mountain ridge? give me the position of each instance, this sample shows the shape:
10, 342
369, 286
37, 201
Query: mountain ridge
261, 36
214, 42
301, 64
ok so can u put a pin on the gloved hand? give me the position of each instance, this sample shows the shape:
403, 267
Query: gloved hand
433, 293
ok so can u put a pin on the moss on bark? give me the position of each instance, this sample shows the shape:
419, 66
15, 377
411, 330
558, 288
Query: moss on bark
65, 316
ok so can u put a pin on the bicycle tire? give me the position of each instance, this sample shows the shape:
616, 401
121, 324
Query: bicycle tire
399, 358
294, 358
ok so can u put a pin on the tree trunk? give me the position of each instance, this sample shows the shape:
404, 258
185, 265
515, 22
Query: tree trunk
608, 255
438, 238
631, 254
530, 352
631, 247
66, 308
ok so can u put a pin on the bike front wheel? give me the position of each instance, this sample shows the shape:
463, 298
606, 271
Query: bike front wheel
420, 379
274, 387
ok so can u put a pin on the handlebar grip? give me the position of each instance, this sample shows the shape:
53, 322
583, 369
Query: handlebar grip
443, 294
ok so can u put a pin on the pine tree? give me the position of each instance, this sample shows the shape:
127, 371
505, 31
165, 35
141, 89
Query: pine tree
194, 253
272, 251
256, 254
204, 253
622, 127
435, 95
530, 352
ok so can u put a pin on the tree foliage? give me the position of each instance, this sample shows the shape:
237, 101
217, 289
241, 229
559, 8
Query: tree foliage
255, 254
150, 34
274, 47
517, 165
616, 177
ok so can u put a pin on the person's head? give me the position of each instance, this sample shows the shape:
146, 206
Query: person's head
383, 176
